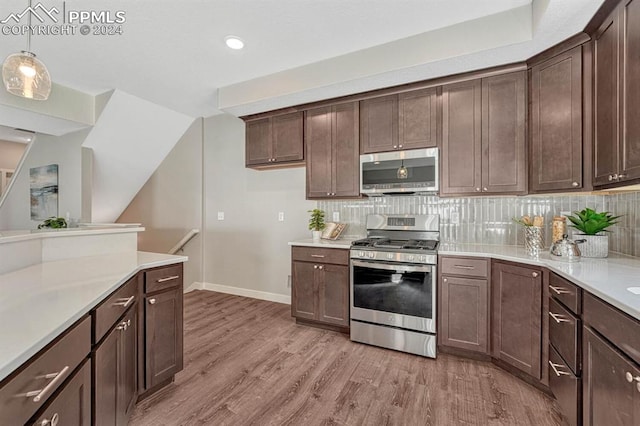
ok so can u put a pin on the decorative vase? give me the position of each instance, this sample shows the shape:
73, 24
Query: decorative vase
316, 236
594, 245
533, 240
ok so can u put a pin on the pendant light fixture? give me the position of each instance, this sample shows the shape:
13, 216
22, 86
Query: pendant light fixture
25, 75
403, 173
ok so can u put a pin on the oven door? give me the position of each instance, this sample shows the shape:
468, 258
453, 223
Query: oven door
398, 295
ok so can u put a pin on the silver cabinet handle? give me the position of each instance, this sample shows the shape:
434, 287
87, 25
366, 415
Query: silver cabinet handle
318, 255
630, 377
558, 318
477, 189
174, 277
445, 280
560, 290
124, 325
125, 302
621, 176
575, 184
53, 422
152, 301
399, 146
41, 393
485, 189
464, 267
328, 193
320, 267
315, 266
556, 370
395, 147
534, 274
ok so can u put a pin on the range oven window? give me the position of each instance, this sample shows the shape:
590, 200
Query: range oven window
385, 172
406, 293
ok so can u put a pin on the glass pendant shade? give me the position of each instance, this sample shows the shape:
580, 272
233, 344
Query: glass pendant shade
402, 173
25, 75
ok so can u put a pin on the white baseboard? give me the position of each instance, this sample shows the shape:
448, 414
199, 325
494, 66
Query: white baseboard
254, 294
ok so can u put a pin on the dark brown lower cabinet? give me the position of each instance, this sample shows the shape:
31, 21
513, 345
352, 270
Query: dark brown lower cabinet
163, 340
72, 405
115, 372
516, 317
611, 389
566, 387
464, 322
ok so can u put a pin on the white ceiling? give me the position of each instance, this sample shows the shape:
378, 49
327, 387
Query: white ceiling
172, 52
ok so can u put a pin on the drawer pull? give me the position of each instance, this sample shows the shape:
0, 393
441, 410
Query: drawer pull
124, 325
318, 255
558, 318
53, 422
630, 377
163, 280
560, 290
125, 302
464, 267
555, 368
41, 393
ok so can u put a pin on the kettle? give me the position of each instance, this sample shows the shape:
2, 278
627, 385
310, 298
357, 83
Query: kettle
566, 250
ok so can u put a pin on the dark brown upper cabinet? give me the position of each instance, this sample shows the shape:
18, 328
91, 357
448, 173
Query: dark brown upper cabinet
401, 121
617, 97
556, 149
275, 141
483, 136
333, 151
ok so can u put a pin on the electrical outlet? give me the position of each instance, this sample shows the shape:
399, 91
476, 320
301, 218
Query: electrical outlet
455, 218
336, 216
220, 215
280, 216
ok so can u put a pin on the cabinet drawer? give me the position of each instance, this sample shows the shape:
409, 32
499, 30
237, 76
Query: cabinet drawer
619, 328
38, 376
564, 334
565, 387
72, 406
108, 312
312, 254
566, 292
163, 278
468, 267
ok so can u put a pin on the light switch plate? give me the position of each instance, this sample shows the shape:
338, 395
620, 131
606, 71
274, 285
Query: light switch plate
336, 216
280, 216
220, 215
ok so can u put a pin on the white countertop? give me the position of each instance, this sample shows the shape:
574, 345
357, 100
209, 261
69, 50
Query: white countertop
32, 234
615, 279
343, 243
39, 302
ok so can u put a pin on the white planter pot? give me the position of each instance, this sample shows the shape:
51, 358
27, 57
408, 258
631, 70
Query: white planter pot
594, 246
316, 236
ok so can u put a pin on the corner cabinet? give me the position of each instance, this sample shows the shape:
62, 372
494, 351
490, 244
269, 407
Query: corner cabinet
333, 155
556, 152
617, 97
483, 136
274, 141
401, 121
320, 290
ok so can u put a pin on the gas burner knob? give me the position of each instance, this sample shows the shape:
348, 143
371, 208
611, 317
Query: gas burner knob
423, 258
360, 254
371, 255
389, 256
410, 257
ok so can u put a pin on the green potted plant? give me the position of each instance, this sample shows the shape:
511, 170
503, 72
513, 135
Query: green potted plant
53, 223
592, 227
316, 223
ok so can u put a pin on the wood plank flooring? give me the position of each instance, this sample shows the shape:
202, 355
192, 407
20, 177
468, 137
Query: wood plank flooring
248, 363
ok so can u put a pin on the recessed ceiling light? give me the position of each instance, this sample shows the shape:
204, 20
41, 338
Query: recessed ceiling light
234, 42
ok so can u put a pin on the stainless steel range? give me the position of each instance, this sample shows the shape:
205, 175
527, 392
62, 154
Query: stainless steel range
393, 283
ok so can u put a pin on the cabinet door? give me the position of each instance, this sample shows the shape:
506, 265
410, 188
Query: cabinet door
630, 148
464, 314
72, 405
461, 138
317, 135
379, 124
287, 137
605, 101
516, 317
608, 398
346, 150
258, 142
556, 123
417, 119
503, 133
333, 294
163, 336
303, 291
127, 382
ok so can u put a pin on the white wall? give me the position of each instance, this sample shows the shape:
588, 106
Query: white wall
10, 154
170, 203
65, 151
247, 252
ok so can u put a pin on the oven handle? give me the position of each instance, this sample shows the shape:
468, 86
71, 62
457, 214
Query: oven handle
392, 266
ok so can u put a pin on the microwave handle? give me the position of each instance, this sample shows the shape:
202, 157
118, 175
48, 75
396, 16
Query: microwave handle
398, 267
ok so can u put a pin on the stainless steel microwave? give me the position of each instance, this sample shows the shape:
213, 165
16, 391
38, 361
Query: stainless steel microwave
396, 172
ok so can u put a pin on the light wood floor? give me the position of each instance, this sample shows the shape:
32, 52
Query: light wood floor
248, 363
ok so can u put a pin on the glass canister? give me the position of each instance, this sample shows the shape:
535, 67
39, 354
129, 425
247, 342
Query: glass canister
558, 228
